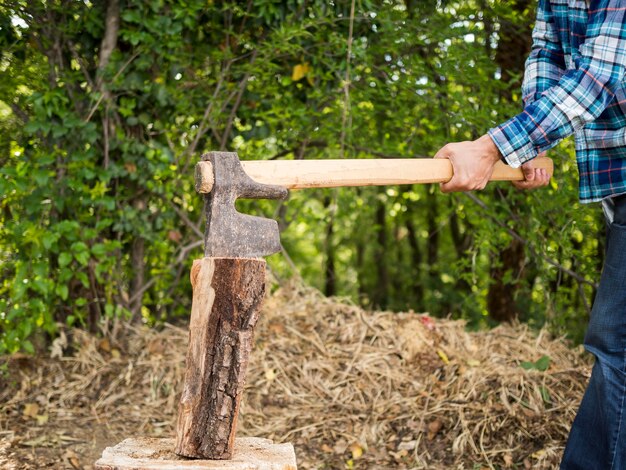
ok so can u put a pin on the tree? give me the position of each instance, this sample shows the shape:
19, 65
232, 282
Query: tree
105, 107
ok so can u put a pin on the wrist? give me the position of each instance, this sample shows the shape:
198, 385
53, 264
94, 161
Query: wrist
489, 149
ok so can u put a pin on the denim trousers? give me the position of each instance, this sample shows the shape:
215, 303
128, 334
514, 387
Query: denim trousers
597, 440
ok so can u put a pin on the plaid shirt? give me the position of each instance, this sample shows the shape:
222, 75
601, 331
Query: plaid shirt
574, 84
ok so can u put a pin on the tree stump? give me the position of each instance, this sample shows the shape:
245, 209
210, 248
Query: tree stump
227, 296
251, 453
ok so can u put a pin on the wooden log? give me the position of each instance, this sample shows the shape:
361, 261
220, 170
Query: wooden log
227, 296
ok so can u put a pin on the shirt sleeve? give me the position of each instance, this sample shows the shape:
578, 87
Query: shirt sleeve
579, 96
545, 64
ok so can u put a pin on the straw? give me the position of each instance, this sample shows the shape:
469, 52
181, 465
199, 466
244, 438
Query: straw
348, 387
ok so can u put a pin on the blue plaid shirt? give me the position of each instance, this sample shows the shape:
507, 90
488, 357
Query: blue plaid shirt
574, 84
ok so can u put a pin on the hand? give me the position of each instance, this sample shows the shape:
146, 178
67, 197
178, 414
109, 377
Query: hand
534, 177
472, 163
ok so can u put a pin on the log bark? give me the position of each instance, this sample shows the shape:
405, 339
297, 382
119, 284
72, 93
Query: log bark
227, 296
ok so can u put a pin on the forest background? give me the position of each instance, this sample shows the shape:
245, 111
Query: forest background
105, 106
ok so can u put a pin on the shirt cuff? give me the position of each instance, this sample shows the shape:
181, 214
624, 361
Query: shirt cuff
513, 141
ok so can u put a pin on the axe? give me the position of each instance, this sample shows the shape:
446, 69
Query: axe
222, 177
229, 282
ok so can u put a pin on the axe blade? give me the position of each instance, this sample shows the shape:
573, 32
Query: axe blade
230, 234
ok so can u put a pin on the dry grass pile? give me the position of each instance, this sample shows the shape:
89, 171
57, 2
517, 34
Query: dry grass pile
350, 389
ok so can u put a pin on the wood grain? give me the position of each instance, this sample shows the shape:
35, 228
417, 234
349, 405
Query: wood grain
302, 174
227, 296
144, 453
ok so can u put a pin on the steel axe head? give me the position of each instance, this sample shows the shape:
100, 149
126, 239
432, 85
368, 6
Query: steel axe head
230, 234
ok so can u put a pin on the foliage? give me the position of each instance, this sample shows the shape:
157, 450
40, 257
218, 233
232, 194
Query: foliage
101, 123
540, 364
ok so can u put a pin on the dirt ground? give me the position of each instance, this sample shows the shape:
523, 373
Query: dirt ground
349, 388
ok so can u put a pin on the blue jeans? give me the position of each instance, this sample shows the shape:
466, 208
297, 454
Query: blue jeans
597, 440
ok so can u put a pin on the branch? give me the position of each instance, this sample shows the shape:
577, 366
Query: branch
186, 249
243, 21
298, 150
534, 252
242, 87
81, 64
177, 262
102, 95
185, 219
346, 83
141, 291
107, 46
19, 112
109, 41
202, 127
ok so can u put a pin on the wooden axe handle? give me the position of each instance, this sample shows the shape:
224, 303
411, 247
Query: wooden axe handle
301, 174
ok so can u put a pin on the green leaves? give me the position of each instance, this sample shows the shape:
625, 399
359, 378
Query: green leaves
93, 167
542, 364
98, 175
65, 259
80, 252
62, 291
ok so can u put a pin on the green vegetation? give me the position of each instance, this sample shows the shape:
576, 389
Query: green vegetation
106, 106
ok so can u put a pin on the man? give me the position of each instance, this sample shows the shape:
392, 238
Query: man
574, 85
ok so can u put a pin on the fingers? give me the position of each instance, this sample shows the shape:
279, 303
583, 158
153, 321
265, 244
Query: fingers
465, 176
472, 163
535, 178
544, 178
446, 152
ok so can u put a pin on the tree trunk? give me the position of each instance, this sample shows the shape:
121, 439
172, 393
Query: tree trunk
380, 292
362, 290
501, 296
416, 258
227, 296
510, 56
330, 286
462, 243
138, 266
432, 253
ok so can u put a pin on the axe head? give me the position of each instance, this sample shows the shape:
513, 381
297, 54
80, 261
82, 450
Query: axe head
230, 234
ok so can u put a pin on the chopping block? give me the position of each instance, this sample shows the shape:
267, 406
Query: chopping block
250, 453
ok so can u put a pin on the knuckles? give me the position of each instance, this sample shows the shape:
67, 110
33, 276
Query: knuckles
465, 184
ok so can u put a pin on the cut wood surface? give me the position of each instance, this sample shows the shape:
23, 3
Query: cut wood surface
302, 174
227, 296
250, 453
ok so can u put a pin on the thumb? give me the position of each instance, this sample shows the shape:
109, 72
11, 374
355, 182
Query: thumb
444, 152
